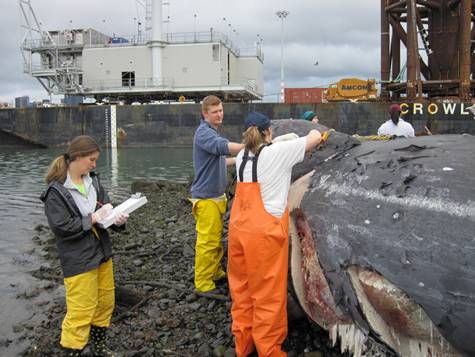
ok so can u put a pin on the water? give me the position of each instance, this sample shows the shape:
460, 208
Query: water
21, 183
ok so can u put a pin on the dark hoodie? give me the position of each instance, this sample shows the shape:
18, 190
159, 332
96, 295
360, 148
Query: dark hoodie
79, 249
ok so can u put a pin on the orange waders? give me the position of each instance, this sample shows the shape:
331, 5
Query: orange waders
257, 270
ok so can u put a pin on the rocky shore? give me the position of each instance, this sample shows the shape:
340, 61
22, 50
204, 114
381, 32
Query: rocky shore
157, 313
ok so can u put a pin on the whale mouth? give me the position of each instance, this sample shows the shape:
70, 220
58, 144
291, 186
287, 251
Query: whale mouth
395, 318
313, 292
310, 284
391, 315
387, 311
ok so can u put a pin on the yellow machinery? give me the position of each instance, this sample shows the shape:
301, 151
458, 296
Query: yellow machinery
351, 89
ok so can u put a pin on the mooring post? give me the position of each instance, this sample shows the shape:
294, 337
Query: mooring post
465, 54
385, 56
413, 75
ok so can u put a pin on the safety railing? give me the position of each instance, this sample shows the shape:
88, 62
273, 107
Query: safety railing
128, 84
157, 83
118, 41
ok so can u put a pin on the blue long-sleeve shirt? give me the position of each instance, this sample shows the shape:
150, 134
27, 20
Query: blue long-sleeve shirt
209, 162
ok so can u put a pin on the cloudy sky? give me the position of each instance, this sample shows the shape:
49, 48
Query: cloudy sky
341, 35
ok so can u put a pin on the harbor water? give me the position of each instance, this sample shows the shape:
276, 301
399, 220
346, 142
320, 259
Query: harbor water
21, 183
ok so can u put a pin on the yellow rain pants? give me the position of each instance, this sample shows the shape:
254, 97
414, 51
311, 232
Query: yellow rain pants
209, 251
90, 301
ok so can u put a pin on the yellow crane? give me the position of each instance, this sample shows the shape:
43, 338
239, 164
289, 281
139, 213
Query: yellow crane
351, 89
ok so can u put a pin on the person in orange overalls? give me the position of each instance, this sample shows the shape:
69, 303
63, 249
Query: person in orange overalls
258, 237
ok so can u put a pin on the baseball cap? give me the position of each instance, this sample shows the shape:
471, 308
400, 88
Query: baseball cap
257, 119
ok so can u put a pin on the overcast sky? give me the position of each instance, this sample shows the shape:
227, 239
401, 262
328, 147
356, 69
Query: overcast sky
341, 35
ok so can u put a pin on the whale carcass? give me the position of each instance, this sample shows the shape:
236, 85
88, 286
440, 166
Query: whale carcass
383, 241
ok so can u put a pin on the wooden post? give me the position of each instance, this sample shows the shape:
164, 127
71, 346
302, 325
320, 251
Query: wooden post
385, 61
465, 10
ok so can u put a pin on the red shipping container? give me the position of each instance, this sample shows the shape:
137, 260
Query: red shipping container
303, 95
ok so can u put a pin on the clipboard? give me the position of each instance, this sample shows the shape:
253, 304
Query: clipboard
128, 206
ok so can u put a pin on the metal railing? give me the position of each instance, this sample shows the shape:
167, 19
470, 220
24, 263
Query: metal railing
213, 36
170, 38
156, 83
252, 52
128, 83
201, 37
119, 41
63, 67
38, 44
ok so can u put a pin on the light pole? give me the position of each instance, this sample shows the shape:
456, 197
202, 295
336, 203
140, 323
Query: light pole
139, 32
195, 24
167, 21
236, 34
282, 14
135, 25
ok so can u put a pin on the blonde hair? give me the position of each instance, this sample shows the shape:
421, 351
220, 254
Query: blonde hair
253, 138
80, 146
209, 101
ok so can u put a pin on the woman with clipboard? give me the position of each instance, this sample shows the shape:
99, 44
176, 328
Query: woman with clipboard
75, 201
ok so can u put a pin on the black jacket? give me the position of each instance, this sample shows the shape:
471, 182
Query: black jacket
78, 248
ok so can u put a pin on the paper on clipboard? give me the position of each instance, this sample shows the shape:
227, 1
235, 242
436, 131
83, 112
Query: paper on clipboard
128, 206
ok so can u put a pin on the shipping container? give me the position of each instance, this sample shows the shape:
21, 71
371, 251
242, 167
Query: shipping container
303, 95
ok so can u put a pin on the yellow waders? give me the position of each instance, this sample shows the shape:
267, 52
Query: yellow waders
209, 251
90, 301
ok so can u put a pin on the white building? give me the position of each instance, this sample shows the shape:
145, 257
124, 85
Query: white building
169, 67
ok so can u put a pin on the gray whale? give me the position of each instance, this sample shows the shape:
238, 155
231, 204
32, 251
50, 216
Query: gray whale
383, 240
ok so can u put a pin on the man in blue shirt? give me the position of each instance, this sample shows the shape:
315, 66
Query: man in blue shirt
207, 193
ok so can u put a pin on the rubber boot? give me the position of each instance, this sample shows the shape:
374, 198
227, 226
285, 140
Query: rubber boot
98, 343
70, 352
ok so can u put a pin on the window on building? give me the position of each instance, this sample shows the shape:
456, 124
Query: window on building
216, 53
128, 79
80, 79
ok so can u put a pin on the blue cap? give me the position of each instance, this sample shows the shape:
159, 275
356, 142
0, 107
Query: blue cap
257, 119
308, 115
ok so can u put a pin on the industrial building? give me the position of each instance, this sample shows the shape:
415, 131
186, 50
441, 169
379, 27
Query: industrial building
153, 67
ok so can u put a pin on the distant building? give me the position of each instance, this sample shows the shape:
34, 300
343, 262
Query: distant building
22, 102
72, 100
155, 66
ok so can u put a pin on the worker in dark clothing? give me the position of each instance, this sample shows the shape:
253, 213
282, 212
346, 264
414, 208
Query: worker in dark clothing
75, 201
